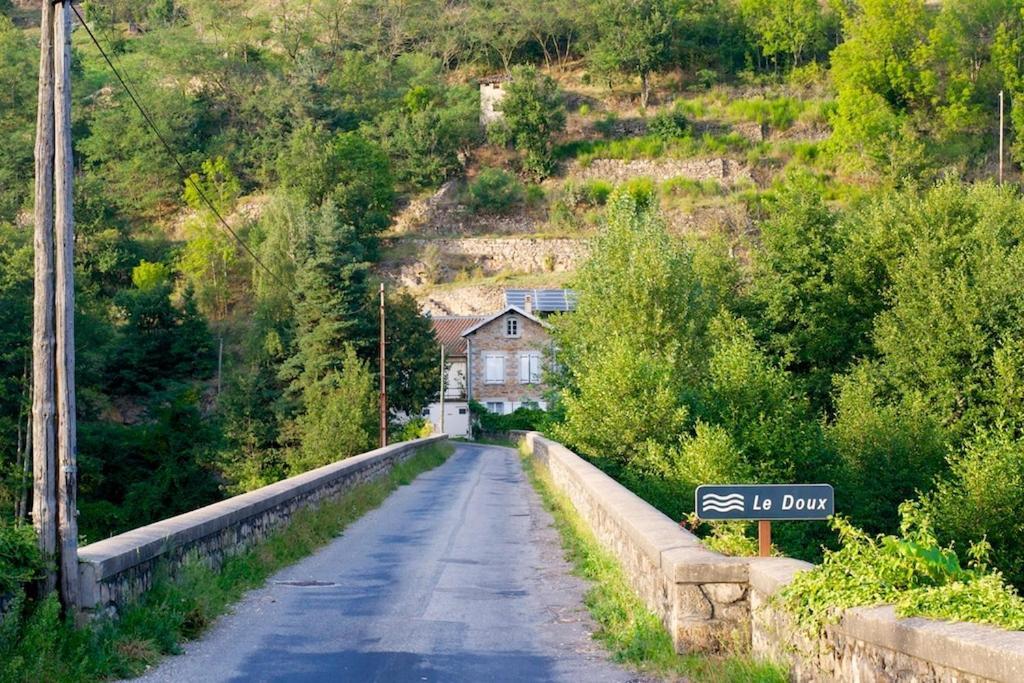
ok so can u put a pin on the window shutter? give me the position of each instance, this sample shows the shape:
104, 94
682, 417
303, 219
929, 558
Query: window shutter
535, 368
524, 369
495, 370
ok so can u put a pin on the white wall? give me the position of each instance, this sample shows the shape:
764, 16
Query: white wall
456, 418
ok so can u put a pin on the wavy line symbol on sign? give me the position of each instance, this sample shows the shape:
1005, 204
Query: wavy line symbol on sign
715, 503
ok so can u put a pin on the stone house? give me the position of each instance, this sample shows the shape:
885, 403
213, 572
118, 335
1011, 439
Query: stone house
497, 360
505, 357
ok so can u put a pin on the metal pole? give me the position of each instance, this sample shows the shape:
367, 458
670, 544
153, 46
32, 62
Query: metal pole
64, 226
44, 505
442, 388
1001, 135
764, 538
383, 382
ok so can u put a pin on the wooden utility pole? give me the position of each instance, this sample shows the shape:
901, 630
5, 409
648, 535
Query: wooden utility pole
64, 228
442, 389
383, 382
1002, 127
54, 429
44, 503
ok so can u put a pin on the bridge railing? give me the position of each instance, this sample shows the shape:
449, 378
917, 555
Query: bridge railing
118, 569
709, 601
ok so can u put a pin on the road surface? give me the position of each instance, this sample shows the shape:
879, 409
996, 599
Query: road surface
457, 577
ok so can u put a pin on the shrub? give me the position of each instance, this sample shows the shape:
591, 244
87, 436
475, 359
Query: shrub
779, 113
607, 124
706, 78
596, 192
668, 125
642, 190
495, 191
522, 419
534, 195
981, 498
20, 561
416, 428
911, 571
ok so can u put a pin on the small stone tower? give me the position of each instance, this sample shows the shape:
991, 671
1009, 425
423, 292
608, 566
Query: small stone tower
492, 92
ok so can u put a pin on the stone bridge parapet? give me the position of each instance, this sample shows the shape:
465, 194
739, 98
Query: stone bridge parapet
710, 602
116, 570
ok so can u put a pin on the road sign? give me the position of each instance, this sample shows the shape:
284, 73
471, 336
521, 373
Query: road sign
765, 501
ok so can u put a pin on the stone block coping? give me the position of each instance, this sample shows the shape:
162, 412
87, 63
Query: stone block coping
117, 554
980, 651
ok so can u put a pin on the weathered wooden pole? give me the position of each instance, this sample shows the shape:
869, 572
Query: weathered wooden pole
383, 382
441, 424
44, 504
64, 228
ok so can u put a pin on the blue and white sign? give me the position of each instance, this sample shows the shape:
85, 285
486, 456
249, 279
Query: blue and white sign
765, 501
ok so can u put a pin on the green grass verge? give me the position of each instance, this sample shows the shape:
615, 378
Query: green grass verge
36, 644
630, 631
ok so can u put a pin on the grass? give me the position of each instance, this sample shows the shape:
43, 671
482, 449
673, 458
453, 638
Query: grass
36, 644
631, 632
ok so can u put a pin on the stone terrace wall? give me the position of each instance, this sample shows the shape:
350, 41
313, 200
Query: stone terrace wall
118, 569
707, 600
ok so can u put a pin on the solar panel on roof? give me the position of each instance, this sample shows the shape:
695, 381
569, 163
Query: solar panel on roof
543, 300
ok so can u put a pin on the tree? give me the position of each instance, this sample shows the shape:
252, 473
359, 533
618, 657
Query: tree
347, 169
210, 256
634, 37
878, 79
786, 27
329, 301
17, 69
430, 135
808, 313
636, 340
412, 361
157, 343
955, 319
340, 419
532, 114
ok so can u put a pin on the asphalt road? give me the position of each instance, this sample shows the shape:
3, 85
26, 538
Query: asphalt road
457, 577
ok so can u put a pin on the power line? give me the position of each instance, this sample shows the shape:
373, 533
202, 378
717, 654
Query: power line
170, 151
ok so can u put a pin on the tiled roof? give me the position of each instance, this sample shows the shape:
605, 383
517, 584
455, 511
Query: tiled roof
449, 329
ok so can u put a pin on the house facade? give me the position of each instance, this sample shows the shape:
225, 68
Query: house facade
496, 360
505, 358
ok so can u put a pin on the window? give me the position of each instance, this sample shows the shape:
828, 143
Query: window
529, 368
494, 369
531, 405
462, 411
512, 327
496, 407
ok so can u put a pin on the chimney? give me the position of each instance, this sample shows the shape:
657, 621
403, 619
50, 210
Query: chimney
528, 306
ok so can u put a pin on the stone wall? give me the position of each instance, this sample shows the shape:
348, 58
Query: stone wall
490, 339
700, 596
119, 569
725, 171
484, 256
707, 600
